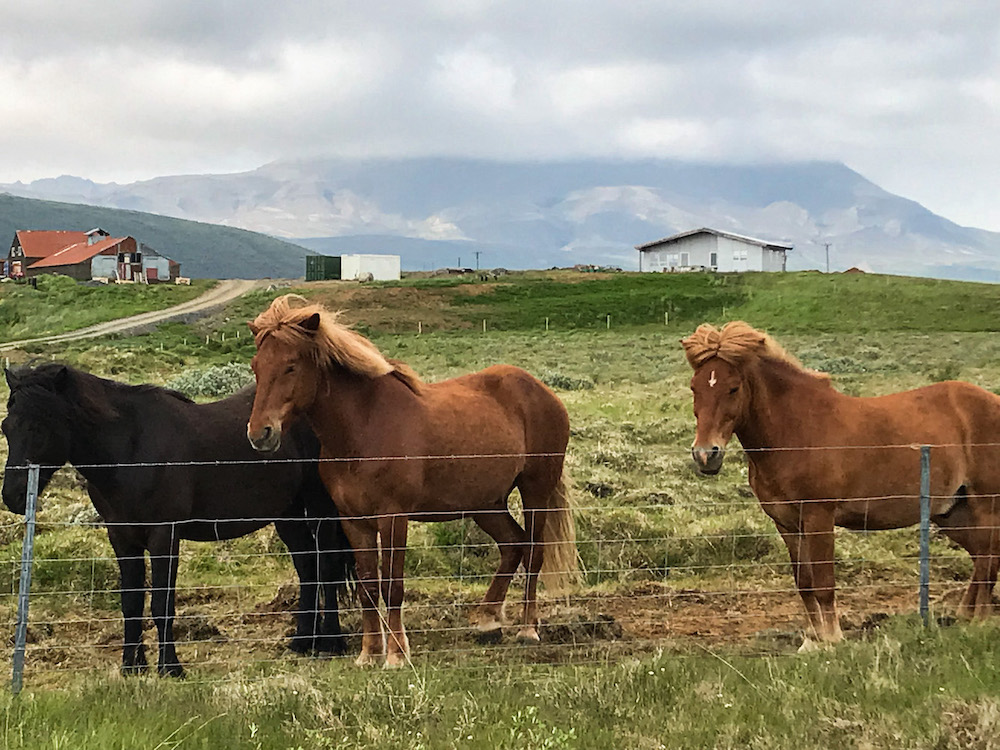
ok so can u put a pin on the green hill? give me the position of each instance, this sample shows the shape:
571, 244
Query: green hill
800, 302
203, 250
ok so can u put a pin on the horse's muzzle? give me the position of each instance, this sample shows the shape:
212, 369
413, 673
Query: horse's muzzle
267, 441
708, 460
15, 495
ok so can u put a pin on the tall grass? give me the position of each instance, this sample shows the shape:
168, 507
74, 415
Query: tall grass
901, 687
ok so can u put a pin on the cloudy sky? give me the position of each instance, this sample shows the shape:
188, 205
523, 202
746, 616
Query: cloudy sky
905, 92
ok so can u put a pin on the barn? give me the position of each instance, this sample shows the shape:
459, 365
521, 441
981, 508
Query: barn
712, 250
84, 256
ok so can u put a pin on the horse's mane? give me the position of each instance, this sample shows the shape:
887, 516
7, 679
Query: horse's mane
331, 343
81, 395
737, 343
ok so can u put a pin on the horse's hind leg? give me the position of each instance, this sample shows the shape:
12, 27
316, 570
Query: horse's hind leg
393, 529
132, 565
533, 556
164, 547
974, 523
510, 538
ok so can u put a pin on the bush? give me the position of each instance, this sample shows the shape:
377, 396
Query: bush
563, 382
217, 381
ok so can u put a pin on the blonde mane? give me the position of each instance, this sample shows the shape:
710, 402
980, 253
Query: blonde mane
331, 343
736, 343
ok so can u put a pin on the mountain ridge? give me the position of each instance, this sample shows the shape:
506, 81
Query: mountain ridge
539, 214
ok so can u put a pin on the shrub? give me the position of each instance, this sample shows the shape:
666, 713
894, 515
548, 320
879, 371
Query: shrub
564, 382
217, 381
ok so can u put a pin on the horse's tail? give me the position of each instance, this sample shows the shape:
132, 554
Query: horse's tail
559, 558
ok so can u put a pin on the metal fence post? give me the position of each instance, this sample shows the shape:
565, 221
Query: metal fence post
925, 531
27, 557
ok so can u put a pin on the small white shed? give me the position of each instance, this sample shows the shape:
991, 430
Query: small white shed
713, 250
381, 267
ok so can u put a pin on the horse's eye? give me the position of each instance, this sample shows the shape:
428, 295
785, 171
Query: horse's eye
733, 389
290, 369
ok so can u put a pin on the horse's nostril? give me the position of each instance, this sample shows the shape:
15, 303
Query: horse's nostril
715, 451
267, 433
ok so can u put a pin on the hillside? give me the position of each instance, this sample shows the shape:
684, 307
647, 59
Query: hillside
433, 212
203, 250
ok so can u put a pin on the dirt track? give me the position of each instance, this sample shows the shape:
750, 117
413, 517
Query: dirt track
223, 292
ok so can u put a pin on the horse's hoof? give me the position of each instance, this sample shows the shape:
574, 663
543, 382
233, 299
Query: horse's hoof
528, 635
332, 644
395, 660
489, 637
130, 670
301, 644
172, 670
810, 646
367, 660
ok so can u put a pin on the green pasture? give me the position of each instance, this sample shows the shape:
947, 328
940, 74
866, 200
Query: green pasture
645, 520
59, 304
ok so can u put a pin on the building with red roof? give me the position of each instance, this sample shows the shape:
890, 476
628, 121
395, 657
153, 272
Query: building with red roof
85, 256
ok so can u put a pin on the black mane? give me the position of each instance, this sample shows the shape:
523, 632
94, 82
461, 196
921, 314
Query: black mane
57, 390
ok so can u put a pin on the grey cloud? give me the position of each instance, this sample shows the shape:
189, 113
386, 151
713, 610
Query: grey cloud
151, 87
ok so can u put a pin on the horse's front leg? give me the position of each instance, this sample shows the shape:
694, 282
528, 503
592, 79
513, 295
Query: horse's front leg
164, 547
301, 546
818, 528
809, 540
132, 565
334, 570
393, 532
363, 536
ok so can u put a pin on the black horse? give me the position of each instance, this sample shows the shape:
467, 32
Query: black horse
57, 414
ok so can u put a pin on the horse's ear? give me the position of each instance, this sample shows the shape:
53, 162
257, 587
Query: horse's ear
254, 328
61, 379
311, 323
11, 376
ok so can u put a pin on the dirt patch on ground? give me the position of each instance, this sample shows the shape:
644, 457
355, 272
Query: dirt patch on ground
393, 309
218, 631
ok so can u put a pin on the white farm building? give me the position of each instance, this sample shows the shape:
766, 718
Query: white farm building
712, 250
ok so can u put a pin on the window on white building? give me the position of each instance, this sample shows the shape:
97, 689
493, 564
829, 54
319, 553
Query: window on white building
740, 253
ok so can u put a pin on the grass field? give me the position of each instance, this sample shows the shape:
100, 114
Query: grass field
59, 304
684, 631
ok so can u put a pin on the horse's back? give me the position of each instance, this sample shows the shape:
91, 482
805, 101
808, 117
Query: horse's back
521, 396
204, 466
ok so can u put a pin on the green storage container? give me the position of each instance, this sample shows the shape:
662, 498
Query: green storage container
322, 267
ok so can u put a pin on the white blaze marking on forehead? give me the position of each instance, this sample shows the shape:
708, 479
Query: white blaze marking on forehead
711, 380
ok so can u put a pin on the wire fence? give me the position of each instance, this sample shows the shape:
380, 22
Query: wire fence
236, 599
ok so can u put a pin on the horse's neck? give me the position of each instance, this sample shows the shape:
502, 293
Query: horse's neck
343, 411
782, 397
99, 441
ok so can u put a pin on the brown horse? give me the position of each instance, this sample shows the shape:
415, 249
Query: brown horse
398, 449
819, 458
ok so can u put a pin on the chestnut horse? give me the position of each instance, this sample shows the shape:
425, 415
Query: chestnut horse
819, 458
396, 449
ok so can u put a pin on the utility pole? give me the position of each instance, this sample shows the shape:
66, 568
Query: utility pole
827, 246
477, 258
